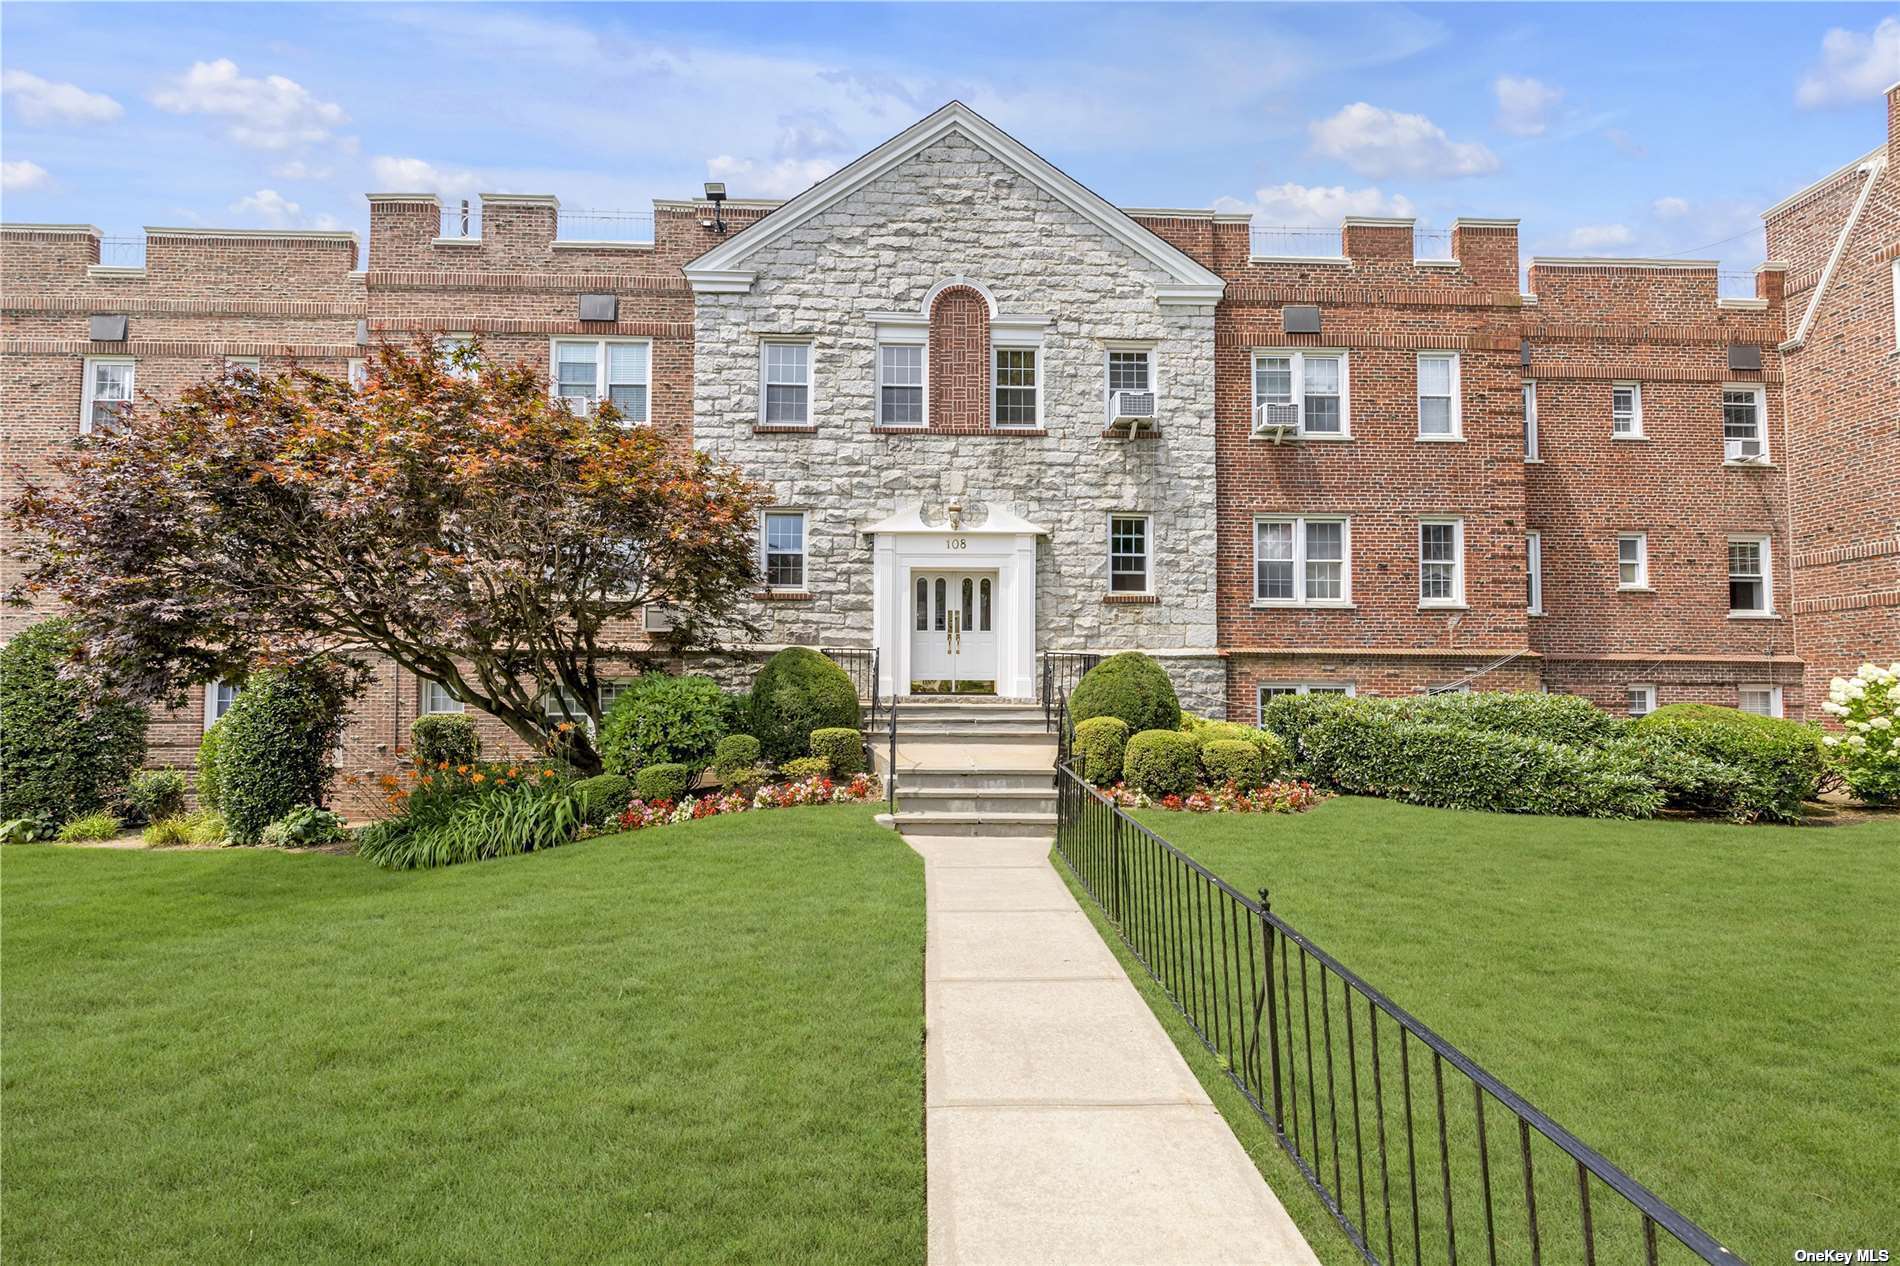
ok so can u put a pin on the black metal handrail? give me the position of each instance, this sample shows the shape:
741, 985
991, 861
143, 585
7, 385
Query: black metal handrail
890, 765
859, 663
1060, 671
1215, 953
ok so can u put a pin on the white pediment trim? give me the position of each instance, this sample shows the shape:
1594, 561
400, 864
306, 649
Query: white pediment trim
909, 521
722, 270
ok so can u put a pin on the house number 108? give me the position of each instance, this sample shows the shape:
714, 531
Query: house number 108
957, 542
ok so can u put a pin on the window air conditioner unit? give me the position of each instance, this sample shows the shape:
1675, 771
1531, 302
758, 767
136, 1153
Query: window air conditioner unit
1746, 452
1277, 421
656, 618
1131, 410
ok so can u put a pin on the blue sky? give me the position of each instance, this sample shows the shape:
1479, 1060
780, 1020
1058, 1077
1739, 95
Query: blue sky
1610, 129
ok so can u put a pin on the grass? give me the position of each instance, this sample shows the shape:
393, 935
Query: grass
1711, 1007
697, 1043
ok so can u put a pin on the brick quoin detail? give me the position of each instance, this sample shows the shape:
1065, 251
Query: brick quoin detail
959, 361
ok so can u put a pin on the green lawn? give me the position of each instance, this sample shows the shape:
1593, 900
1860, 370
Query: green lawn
1715, 1008
700, 1043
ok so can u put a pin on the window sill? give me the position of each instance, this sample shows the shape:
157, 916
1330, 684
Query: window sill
1131, 599
1441, 439
996, 432
1259, 605
1749, 465
1444, 606
1754, 615
785, 428
1628, 439
1636, 589
783, 595
1535, 615
1113, 433
1533, 461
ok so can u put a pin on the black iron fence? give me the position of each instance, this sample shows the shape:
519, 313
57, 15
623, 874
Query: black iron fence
1416, 1148
859, 663
1060, 671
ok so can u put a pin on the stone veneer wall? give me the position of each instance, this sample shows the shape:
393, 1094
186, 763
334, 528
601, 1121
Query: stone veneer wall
952, 211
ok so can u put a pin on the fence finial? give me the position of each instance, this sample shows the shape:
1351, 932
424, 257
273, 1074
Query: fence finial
1264, 903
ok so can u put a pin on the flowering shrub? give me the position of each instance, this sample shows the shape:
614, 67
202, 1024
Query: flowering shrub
1868, 707
465, 812
784, 795
1230, 797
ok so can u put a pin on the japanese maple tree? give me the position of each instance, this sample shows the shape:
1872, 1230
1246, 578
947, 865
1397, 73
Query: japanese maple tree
450, 514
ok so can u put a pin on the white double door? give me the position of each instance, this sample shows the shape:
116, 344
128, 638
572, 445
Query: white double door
953, 631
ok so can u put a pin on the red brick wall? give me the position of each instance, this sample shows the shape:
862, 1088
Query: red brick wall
959, 365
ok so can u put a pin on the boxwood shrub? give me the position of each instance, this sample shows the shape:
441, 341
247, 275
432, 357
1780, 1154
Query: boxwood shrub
445, 738
1269, 747
153, 795
1099, 744
665, 781
65, 749
1131, 686
276, 750
1779, 762
798, 691
602, 797
800, 768
1232, 760
661, 720
735, 754
842, 746
1370, 751
1291, 716
1162, 762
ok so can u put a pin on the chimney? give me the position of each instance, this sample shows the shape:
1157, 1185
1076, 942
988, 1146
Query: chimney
1487, 250
1893, 126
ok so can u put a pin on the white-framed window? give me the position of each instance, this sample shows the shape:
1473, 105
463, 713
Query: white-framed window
785, 384
1302, 389
359, 372
1626, 411
436, 698
1762, 701
108, 391
587, 371
1441, 563
1302, 561
1632, 560
1641, 699
782, 549
250, 364
1750, 580
449, 344
1439, 415
1015, 393
1531, 453
219, 696
610, 691
1130, 539
1534, 573
1127, 369
1268, 691
900, 384
1744, 431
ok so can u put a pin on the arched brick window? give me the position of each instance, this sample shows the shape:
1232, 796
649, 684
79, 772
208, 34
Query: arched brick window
959, 361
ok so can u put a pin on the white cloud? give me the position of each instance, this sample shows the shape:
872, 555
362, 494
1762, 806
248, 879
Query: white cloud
271, 113
18, 176
1524, 104
272, 210
298, 169
781, 178
39, 100
1670, 208
1377, 142
1327, 205
1596, 237
415, 175
1854, 67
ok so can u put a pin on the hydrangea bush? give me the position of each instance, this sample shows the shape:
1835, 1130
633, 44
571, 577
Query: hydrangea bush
1868, 707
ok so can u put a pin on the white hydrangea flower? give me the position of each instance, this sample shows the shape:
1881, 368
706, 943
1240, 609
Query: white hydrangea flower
1882, 723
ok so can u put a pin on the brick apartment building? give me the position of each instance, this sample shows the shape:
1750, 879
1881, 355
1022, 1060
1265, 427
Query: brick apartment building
1000, 417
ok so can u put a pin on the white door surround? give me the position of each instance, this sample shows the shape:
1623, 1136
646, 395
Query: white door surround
953, 632
1000, 544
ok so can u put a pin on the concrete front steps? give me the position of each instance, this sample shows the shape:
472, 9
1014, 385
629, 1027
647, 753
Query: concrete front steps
970, 768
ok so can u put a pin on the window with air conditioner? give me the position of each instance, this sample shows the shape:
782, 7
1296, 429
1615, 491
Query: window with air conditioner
1131, 386
588, 371
1744, 433
1302, 393
1301, 561
108, 391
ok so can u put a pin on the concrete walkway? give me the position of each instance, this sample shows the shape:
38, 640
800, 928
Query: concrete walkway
1063, 1126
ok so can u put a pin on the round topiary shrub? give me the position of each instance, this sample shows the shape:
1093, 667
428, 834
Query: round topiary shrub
736, 754
1099, 746
444, 738
1131, 686
276, 750
805, 767
665, 781
65, 749
1232, 760
602, 797
665, 720
1270, 748
153, 795
1161, 762
843, 748
798, 691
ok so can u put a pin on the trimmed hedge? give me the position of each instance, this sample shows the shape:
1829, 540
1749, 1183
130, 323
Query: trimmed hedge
209, 784
803, 767
1270, 747
1100, 743
1291, 716
842, 747
663, 720
665, 781
1560, 718
66, 750
1131, 686
444, 738
1162, 762
735, 754
1370, 751
1232, 760
276, 750
1776, 764
796, 692
602, 797
154, 795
